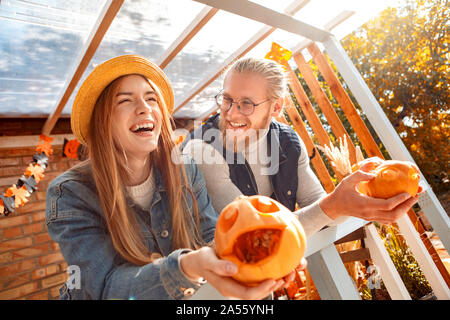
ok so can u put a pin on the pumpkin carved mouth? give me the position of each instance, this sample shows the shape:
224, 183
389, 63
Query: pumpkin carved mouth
256, 245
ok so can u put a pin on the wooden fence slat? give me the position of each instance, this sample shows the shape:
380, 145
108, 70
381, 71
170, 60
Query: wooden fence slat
316, 160
281, 118
324, 104
355, 255
338, 91
309, 112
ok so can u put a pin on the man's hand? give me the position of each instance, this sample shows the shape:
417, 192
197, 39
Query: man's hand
346, 200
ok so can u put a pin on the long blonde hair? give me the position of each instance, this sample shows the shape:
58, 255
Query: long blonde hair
110, 170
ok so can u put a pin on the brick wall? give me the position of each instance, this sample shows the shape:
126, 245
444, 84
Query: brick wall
31, 264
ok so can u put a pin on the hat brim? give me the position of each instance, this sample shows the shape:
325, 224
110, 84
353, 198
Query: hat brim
102, 76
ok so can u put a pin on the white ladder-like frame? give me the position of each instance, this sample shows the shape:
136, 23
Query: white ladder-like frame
327, 270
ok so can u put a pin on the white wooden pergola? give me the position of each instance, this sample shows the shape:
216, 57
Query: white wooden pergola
326, 267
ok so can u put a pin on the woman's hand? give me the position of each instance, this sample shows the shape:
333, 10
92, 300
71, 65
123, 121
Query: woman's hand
345, 200
290, 277
203, 263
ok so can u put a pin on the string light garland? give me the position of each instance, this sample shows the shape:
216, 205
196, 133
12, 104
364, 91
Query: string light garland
17, 195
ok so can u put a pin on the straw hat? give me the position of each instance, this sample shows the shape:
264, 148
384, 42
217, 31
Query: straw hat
102, 76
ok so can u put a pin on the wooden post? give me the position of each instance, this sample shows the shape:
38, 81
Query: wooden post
309, 112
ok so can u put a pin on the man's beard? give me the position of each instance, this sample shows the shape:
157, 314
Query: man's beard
241, 142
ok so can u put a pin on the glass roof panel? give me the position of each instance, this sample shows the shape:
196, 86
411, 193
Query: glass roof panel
39, 41
202, 104
204, 54
145, 28
49, 36
317, 13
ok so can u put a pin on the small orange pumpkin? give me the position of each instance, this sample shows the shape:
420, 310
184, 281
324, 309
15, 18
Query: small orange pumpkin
71, 149
261, 236
392, 178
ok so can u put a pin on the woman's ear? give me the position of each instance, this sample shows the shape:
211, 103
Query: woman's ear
278, 107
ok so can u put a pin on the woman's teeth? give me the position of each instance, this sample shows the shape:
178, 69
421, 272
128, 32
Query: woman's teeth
142, 127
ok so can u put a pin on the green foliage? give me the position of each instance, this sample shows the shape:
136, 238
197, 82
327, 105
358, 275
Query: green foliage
405, 263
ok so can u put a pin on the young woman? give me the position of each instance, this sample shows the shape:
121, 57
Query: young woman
136, 224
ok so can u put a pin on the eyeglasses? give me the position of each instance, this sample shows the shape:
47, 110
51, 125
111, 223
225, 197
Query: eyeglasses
245, 106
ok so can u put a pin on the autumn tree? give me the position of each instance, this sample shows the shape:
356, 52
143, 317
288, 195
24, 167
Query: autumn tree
403, 56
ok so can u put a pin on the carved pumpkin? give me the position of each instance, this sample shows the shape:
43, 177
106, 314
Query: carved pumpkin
392, 178
261, 236
71, 148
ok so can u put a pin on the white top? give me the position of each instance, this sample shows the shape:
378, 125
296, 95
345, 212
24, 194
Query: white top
142, 194
222, 190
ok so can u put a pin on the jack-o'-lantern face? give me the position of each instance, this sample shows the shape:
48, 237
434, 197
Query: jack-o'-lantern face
261, 236
392, 178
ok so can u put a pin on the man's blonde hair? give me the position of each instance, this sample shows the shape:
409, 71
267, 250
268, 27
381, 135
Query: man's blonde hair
268, 69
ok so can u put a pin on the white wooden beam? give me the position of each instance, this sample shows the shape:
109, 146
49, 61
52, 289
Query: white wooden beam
391, 140
94, 39
330, 25
325, 259
330, 276
269, 17
263, 33
381, 259
325, 237
194, 27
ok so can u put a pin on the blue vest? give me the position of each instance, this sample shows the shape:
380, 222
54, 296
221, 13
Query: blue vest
285, 179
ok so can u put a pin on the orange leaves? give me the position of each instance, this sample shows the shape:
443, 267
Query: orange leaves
178, 140
279, 54
45, 145
36, 171
17, 195
20, 195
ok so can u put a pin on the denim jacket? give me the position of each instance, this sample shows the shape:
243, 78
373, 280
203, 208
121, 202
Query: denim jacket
75, 221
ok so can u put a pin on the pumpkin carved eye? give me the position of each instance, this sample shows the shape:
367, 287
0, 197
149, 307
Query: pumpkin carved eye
264, 205
229, 218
